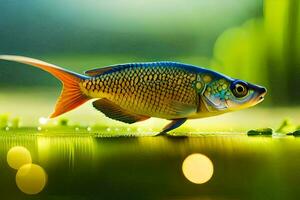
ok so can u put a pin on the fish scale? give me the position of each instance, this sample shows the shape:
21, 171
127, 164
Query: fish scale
148, 89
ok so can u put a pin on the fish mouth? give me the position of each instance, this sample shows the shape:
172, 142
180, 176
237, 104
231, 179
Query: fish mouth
261, 97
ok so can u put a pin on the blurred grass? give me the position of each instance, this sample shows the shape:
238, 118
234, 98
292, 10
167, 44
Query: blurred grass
257, 41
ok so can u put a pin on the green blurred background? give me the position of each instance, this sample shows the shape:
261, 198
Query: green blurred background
254, 40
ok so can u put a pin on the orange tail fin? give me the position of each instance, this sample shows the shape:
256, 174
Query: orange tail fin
71, 96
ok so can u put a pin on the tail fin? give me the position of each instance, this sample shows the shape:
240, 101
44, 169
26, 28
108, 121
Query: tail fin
71, 96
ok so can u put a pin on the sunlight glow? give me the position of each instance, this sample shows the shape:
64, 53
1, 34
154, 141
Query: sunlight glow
197, 168
43, 120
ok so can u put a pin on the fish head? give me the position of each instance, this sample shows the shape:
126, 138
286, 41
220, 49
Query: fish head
227, 94
244, 95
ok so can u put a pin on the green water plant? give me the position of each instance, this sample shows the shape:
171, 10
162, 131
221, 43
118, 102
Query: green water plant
63, 122
260, 131
286, 127
15, 122
4, 121
295, 133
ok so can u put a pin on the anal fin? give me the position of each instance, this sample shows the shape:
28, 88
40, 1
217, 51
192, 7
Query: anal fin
116, 112
175, 123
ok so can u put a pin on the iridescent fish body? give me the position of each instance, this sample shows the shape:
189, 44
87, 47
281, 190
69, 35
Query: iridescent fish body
137, 91
157, 89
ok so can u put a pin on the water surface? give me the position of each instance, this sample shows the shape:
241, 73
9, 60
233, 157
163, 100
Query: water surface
87, 167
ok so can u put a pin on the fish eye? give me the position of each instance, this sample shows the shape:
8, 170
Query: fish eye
239, 89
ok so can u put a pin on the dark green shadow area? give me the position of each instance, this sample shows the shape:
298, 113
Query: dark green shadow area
85, 167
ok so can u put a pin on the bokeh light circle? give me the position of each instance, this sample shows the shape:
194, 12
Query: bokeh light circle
197, 168
31, 179
43, 120
18, 156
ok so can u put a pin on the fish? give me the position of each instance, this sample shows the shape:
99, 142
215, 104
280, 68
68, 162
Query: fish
134, 92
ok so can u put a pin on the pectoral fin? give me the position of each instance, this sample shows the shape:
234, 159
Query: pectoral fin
174, 124
182, 109
114, 111
201, 105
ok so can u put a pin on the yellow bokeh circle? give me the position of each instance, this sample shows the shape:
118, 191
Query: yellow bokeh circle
31, 178
18, 156
197, 168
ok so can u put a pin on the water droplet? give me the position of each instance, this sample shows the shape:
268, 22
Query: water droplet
39, 128
89, 129
108, 129
76, 129
7, 128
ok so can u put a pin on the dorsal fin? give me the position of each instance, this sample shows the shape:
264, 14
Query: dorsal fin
117, 67
108, 69
98, 71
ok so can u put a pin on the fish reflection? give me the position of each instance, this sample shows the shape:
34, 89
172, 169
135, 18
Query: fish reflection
54, 150
197, 168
